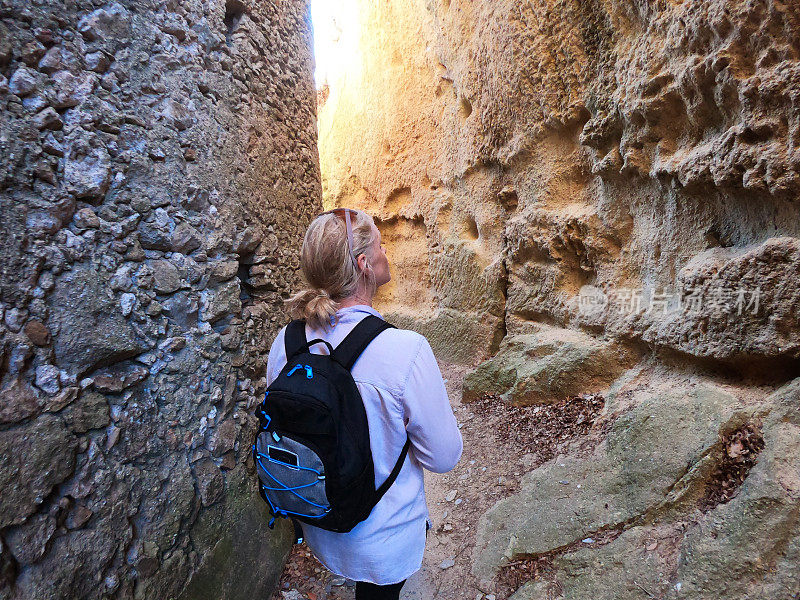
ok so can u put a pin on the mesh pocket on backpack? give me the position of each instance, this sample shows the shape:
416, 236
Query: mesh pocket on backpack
292, 476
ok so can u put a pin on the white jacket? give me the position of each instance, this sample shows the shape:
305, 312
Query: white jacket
404, 395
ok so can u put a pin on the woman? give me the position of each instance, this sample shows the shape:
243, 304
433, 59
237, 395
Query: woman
344, 264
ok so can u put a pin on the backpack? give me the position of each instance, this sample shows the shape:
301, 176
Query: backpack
312, 451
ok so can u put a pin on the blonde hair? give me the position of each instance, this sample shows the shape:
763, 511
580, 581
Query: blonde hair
328, 267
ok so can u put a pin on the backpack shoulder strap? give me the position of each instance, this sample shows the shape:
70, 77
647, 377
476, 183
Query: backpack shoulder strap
395, 472
295, 338
351, 347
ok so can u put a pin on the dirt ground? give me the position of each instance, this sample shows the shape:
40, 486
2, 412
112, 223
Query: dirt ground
496, 455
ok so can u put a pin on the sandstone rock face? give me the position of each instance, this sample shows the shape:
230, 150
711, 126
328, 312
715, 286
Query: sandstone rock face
158, 169
575, 188
626, 168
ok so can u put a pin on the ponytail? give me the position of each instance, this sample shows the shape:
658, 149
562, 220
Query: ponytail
314, 306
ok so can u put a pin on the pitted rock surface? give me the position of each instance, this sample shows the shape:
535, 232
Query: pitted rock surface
525, 157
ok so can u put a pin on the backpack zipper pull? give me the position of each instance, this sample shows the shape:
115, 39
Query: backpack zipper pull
267, 418
297, 366
309, 372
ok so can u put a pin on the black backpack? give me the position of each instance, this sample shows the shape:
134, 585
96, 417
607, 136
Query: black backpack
312, 450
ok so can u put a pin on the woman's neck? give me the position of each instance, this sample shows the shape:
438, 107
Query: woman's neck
355, 300
359, 298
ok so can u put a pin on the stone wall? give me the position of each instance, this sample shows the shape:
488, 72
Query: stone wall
581, 164
158, 170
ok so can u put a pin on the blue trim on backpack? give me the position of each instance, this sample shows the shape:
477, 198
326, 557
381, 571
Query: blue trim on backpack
286, 488
285, 464
285, 513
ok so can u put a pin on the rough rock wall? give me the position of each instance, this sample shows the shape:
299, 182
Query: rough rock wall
630, 168
158, 170
601, 196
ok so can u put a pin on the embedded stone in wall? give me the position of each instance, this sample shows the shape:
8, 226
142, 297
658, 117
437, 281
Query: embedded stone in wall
91, 330
35, 457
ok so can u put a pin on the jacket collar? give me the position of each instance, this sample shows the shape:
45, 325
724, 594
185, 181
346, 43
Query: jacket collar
344, 313
359, 308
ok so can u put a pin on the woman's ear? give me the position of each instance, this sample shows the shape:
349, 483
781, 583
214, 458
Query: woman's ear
363, 264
